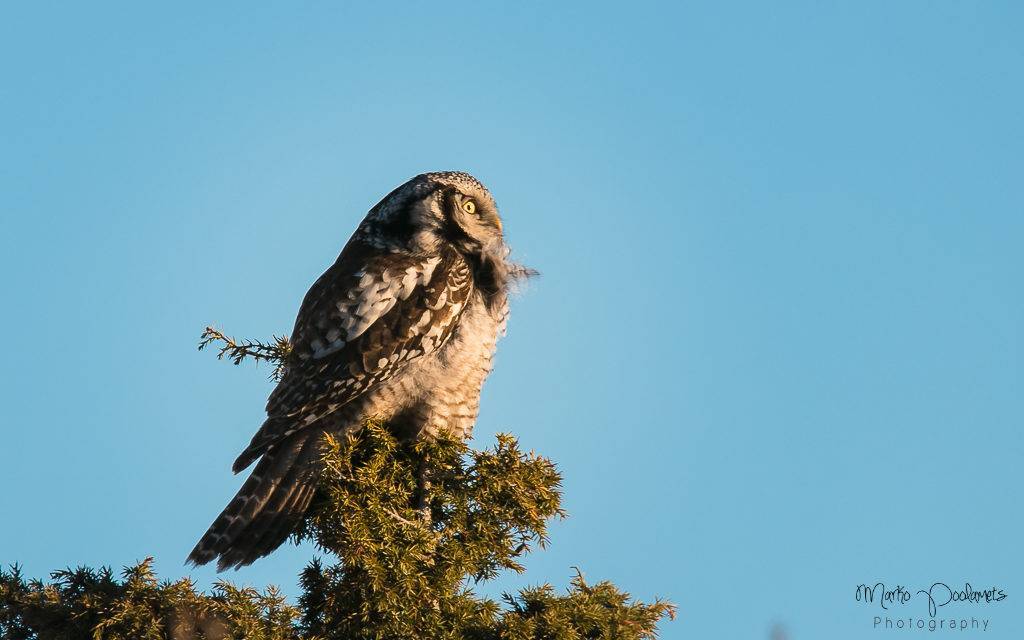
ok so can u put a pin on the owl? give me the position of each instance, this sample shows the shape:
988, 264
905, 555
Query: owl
402, 327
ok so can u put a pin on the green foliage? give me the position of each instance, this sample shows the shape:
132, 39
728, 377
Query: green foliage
84, 604
411, 528
403, 568
405, 563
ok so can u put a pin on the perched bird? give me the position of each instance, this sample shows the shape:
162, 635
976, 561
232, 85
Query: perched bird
401, 327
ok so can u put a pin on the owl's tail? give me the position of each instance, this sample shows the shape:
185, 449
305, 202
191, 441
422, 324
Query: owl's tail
268, 507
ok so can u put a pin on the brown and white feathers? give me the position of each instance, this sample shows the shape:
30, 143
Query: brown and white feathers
402, 327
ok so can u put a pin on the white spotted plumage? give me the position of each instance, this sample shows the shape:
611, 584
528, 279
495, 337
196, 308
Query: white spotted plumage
403, 327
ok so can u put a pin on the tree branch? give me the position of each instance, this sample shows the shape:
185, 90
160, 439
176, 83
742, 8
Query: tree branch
276, 353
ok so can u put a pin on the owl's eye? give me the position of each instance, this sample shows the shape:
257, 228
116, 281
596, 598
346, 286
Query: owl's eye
469, 206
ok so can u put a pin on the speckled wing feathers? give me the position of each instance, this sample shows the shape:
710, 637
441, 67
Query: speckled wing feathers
357, 330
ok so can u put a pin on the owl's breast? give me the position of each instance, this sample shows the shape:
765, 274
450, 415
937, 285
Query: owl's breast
441, 392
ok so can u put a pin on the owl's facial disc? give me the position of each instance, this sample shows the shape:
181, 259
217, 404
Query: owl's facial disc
473, 221
470, 207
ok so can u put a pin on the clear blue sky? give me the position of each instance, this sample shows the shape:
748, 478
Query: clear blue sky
776, 348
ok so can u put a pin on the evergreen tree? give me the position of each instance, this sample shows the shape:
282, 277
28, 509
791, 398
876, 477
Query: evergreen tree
404, 563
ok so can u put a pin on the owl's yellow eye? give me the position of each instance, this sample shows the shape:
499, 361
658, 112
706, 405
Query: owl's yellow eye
469, 206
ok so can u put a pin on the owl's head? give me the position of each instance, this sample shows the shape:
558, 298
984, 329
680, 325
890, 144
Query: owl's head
435, 208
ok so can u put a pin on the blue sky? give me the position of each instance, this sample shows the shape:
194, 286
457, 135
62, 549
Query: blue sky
776, 347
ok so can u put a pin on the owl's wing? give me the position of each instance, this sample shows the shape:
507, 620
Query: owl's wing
366, 317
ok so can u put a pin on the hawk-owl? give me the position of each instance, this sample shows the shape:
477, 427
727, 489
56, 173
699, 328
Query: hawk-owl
402, 327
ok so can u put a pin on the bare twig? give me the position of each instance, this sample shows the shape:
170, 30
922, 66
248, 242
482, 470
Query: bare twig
399, 518
276, 353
